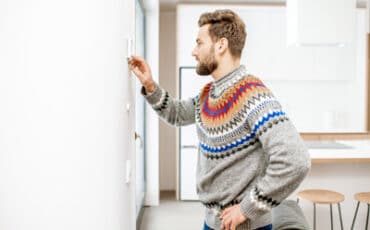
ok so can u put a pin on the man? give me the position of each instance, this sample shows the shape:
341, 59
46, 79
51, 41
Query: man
250, 157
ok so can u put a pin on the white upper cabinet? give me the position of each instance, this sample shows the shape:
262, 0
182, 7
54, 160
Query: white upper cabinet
266, 53
320, 22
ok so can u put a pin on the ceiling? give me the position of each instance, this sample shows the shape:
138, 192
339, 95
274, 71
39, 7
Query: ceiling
171, 4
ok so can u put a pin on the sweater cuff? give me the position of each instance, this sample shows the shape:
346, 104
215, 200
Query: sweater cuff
153, 97
250, 209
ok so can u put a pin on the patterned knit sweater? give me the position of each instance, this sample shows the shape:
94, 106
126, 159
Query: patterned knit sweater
249, 151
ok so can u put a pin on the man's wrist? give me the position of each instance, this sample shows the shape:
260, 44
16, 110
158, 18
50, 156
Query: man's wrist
150, 87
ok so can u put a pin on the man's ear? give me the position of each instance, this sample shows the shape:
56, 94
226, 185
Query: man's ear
222, 45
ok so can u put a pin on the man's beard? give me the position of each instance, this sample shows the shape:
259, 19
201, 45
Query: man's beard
208, 66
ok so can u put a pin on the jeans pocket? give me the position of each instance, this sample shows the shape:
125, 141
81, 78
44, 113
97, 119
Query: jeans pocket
206, 227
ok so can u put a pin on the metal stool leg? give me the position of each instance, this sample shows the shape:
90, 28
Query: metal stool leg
340, 217
354, 218
367, 218
297, 200
331, 217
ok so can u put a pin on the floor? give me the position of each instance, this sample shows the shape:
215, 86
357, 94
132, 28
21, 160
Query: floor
184, 215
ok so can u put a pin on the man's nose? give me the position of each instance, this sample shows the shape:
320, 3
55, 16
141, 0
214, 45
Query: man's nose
193, 53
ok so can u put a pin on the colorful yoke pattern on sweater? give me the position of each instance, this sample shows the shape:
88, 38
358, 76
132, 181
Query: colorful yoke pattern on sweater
232, 121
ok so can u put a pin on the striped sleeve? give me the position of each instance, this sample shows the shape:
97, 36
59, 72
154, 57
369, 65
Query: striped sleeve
289, 161
172, 111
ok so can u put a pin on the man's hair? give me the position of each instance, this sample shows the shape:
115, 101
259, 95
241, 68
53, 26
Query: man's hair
226, 24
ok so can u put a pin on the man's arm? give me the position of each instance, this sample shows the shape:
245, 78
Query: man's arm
172, 111
289, 161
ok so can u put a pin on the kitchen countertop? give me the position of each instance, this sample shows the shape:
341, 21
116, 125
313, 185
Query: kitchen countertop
339, 151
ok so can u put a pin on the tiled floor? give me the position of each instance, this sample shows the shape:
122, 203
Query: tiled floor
172, 214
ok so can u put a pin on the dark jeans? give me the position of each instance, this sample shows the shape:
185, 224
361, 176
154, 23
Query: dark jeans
267, 227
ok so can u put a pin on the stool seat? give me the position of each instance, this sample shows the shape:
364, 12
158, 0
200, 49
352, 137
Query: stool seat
363, 197
320, 196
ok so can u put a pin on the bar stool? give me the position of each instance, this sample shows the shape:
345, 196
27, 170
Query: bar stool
319, 196
365, 198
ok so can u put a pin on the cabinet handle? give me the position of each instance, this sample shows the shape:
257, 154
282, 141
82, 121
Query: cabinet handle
137, 136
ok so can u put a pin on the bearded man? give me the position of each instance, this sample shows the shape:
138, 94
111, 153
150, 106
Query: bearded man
250, 155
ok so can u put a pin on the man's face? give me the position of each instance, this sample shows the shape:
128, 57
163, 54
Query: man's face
204, 52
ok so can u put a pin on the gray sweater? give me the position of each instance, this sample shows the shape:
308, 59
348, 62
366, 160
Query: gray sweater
249, 151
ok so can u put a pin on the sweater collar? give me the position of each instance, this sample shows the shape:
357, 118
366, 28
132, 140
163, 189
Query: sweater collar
230, 78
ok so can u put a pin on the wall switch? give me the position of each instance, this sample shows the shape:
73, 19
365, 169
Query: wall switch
129, 48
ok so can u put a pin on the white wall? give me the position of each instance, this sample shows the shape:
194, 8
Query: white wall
63, 137
168, 80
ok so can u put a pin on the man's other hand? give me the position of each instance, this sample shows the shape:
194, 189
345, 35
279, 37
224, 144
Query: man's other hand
232, 217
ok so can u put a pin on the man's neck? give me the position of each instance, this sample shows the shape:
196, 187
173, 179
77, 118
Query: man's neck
225, 68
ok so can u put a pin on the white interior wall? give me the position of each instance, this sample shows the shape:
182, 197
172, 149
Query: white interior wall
63, 137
